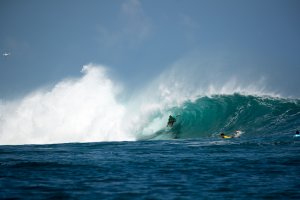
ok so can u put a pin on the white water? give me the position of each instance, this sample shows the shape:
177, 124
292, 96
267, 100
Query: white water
77, 110
87, 109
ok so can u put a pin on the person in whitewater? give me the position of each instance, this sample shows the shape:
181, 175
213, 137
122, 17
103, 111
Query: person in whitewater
237, 133
171, 121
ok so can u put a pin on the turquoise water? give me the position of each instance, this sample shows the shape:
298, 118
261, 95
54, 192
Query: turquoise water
187, 161
255, 116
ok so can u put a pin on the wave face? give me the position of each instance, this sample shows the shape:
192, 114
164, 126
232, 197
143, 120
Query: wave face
253, 115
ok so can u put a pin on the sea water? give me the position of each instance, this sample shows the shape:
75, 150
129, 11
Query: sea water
158, 169
81, 140
186, 161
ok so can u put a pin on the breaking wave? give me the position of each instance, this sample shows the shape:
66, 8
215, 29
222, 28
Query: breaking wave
89, 109
253, 115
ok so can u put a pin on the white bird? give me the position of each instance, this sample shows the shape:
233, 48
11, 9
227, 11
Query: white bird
6, 54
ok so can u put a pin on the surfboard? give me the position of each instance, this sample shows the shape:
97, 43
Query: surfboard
227, 137
297, 135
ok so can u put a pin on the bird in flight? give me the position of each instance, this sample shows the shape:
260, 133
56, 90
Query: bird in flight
5, 54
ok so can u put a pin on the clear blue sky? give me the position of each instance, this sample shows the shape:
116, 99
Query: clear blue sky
137, 39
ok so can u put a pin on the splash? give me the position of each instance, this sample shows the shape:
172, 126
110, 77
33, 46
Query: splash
76, 110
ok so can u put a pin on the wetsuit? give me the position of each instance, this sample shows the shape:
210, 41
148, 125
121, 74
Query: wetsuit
171, 121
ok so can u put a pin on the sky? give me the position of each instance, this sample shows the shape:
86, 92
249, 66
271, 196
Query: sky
139, 39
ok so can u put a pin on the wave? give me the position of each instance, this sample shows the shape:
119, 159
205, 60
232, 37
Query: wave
253, 115
82, 109
90, 109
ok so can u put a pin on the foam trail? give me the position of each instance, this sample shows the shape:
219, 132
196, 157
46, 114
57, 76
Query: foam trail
77, 110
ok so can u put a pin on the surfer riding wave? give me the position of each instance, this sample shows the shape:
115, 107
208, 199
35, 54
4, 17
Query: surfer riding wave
171, 120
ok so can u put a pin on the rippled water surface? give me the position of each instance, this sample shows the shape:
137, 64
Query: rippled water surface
170, 169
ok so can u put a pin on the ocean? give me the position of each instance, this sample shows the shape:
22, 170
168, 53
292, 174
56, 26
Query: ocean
187, 161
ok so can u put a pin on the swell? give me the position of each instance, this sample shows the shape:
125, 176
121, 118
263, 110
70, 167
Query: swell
253, 115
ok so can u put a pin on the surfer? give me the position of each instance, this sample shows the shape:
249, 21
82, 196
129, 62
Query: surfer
171, 121
297, 132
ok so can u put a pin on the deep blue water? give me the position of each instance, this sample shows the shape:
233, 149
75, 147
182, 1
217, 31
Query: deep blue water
207, 168
187, 161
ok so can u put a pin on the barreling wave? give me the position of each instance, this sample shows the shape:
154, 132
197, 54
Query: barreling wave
253, 115
88, 109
